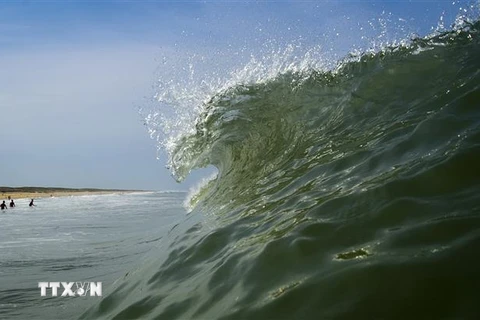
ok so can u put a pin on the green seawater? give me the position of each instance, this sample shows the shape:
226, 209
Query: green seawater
352, 193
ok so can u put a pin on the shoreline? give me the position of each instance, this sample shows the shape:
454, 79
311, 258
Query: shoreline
7, 193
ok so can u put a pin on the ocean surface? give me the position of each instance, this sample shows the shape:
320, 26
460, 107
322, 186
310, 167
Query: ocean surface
95, 238
346, 192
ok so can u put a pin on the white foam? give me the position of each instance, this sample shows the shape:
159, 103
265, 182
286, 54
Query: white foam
194, 191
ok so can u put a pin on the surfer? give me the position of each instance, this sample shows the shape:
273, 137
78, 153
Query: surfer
3, 205
31, 203
12, 204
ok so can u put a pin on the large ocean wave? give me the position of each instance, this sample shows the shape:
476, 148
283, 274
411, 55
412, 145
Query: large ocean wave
347, 191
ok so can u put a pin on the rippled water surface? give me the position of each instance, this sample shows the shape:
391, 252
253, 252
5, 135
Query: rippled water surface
85, 238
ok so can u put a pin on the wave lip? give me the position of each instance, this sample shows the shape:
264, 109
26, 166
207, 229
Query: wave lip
383, 104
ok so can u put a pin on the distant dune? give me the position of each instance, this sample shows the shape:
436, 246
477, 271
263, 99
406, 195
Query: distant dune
42, 192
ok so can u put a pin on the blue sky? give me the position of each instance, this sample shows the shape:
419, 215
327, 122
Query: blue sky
74, 73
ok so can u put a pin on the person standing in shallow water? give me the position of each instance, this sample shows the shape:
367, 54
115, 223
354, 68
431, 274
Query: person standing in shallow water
31, 203
12, 204
3, 205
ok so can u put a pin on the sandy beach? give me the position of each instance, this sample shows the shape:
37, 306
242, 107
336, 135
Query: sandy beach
8, 193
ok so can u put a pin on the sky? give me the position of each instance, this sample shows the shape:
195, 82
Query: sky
74, 74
